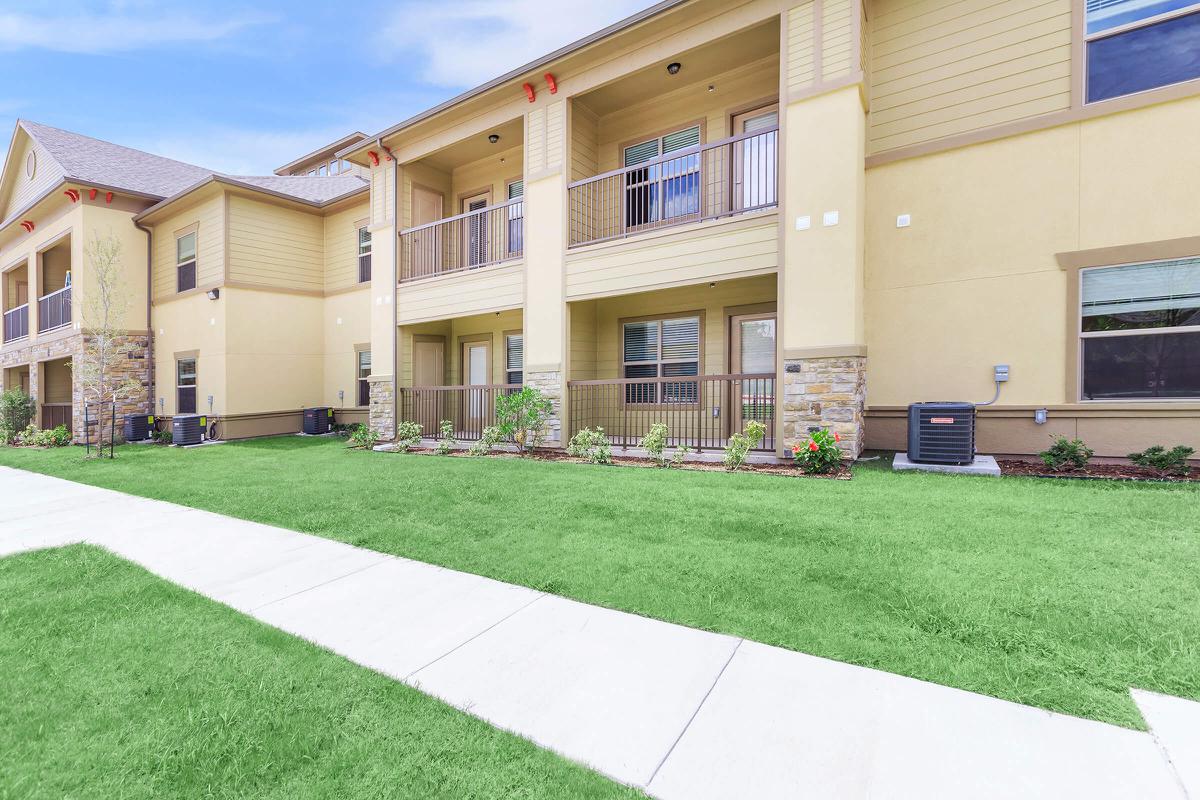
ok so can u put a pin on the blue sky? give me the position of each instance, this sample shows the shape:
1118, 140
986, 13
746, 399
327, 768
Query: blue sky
243, 88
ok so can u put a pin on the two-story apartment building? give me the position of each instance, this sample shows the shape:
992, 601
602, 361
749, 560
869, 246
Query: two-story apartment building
804, 213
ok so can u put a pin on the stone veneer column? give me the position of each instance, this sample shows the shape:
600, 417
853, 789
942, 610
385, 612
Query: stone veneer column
551, 385
825, 393
381, 414
136, 366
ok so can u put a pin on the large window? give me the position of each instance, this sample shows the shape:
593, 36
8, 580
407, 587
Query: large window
364, 254
661, 348
185, 386
364, 372
664, 190
1140, 330
1135, 45
185, 262
514, 358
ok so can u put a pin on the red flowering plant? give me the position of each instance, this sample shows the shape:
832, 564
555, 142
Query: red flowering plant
820, 453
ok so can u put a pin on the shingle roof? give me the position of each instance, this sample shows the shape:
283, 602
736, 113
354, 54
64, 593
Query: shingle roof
315, 189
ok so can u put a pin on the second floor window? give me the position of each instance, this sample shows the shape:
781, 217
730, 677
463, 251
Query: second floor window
661, 348
1135, 45
514, 358
364, 255
665, 190
185, 386
185, 262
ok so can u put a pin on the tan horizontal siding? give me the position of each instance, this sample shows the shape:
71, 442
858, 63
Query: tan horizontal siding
940, 67
210, 246
801, 62
475, 292
341, 247
273, 246
837, 39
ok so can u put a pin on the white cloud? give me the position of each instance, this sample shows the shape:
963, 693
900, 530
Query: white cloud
239, 151
116, 30
464, 44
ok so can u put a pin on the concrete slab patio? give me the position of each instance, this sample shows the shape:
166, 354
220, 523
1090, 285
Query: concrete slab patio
678, 712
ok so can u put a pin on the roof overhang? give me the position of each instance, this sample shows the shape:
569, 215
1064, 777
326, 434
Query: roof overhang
330, 149
156, 209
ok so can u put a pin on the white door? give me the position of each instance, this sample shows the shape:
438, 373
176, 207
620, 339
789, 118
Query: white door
752, 347
425, 257
475, 232
755, 158
476, 372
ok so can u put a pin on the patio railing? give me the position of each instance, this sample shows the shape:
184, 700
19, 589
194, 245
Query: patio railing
699, 412
16, 323
54, 310
468, 241
470, 408
55, 414
708, 181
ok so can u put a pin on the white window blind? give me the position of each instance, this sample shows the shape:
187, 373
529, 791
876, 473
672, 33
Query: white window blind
688, 137
1164, 285
514, 358
641, 152
185, 248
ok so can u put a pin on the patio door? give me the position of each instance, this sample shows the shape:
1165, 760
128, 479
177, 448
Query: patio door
429, 367
752, 352
476, 372
426, 256
475, 231
755, 159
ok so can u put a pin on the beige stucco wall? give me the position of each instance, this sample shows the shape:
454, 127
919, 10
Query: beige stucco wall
191, 323
275, 351
347, 326
103, 220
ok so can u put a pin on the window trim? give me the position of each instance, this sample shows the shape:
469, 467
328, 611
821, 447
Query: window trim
622, 363
1081, 39
190, 230
1077, 335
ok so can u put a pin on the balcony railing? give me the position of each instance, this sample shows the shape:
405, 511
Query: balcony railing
16, 323
700, 412
54, 310
55, 414
468, 241
469, 408
709, 181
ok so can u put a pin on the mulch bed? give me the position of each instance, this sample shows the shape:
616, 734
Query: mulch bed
1120, 472
787, 470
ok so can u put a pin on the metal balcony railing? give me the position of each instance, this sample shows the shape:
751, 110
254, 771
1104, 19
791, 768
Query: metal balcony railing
54, 310
475, 239
16, 323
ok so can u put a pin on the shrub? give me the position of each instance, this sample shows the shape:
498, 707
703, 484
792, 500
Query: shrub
1066, 454
742, 443
819, 454
521, 416
446, 440
591, 445
32, 437
1164, 461
408, 436
16, 413
655, 445
362, 437
164, 437
490, 438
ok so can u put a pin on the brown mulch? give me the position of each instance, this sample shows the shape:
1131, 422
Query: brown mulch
1120, 472
787, 470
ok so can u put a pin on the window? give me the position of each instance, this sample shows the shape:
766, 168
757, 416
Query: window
364, 372
514, 358
1140, 331
661, 348
1135, 45
185, 386
185, 262
516, 218
666, 190
364, 254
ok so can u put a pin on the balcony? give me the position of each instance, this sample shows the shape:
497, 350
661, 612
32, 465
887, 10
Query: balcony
54, 310
478, 238
736, 175
16, 323
469, 408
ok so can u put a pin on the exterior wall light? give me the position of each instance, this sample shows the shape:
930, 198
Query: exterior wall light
673, 68
213, 294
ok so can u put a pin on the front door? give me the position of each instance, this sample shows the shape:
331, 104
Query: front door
475, 231
752, 352
754, 158
476, 371
429, 370
426, 255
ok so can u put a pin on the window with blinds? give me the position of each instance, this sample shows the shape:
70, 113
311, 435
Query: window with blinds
364, 372
185, 262
364, 254
516, 219
667, 189
514, 359
185, 386
1136, 45
661, 348
1140, 331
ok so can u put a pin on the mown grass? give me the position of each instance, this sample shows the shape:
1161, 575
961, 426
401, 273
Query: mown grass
118, 684
1059, 594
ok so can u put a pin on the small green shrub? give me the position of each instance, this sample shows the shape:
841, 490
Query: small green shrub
819, 454
32, 437
446, 440
742, 443
16, 414
591, 445
408, 436
490, 438
1066, 454
362, 437
164, 437
1164, 461
522, 416
655, 445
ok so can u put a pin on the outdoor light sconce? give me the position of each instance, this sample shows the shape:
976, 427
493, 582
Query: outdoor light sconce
213, 294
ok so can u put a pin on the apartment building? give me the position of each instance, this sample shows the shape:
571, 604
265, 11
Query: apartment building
803, 213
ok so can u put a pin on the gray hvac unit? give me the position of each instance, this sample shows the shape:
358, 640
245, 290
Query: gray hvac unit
187, 429
941, 433
138, 427
317, 420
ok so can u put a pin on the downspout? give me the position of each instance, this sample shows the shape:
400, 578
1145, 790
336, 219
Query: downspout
151, 389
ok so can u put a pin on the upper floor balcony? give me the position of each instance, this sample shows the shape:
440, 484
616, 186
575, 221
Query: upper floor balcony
16, 304
54, 299
489, 234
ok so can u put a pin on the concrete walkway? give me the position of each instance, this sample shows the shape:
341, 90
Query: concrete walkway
679, 712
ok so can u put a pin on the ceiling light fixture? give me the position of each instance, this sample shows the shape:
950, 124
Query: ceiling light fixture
673, 68
493, 138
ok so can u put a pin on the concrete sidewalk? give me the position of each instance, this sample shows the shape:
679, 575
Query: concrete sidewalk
679, 712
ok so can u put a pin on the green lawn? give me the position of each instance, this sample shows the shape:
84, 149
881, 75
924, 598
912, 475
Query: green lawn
1059, 594
118, 684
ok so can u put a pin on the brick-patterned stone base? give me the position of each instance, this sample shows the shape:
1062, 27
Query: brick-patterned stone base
381, 414
825, 393
551, 385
